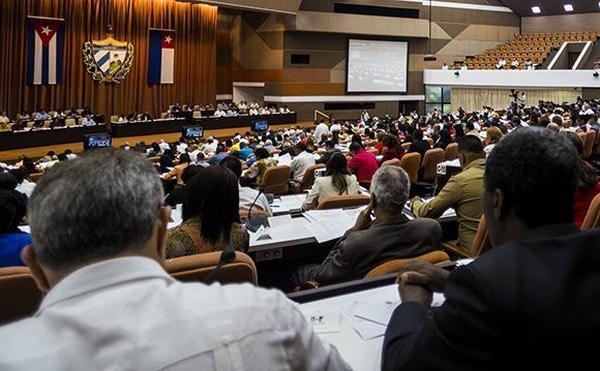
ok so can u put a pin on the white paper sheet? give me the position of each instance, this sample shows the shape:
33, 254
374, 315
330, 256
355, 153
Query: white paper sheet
327, 225
284, 160
176, 217
365, 329
379, 309
462, 262
276, 221
25, 228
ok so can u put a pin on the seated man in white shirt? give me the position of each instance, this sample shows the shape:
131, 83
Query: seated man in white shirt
301, 162
501, 64
42, 115
88, 121
514, 64
219, 113
248, 197
4, 118
321, 130
110, 303
211, 145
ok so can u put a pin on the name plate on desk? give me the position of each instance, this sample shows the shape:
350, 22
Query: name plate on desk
441, 169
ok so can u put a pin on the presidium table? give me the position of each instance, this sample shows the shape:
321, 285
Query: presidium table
48, 137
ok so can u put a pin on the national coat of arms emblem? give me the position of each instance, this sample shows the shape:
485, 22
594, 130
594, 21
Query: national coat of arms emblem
108, 60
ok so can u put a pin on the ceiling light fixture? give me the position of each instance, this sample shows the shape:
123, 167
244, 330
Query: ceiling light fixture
568, 7
536, 9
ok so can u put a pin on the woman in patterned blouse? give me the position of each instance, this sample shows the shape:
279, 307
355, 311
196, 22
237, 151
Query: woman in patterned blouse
210, 214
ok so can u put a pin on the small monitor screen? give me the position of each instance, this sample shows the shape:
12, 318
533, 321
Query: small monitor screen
192, 132
95, 141
260, 126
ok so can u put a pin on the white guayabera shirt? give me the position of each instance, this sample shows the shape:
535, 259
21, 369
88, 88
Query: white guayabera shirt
129, 314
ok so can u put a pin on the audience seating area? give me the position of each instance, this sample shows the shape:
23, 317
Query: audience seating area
535, 47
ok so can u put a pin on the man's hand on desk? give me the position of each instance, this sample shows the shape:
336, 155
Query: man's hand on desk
418, 280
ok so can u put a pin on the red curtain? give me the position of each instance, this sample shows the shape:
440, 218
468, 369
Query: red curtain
195, 55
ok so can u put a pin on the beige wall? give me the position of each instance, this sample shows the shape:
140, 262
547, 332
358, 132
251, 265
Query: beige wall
471, 99
284, 6
561, 23
260, 45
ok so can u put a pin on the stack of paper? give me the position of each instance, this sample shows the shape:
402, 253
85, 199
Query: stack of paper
288, 204
366, 329
327, 225
276, 221
369, 316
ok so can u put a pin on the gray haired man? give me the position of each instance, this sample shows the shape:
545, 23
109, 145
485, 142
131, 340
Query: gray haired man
391, 235
98, 228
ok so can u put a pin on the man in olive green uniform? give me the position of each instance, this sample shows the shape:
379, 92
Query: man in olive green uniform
463, 192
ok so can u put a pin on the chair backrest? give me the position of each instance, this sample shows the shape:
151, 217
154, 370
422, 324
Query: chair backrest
592, 217
19, 295
411, 162
70, 122
114, 119
276, 180
195, 268
451, 151
432, 158
35, 177
394, 266
338, 202
309, 176
588, 143
481, 243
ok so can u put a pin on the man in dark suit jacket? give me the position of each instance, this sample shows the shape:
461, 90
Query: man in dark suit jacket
369, 243
533, 301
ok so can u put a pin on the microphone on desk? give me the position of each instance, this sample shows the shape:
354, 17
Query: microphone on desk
254, 223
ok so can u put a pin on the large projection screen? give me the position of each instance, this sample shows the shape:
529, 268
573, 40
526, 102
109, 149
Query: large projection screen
376, 66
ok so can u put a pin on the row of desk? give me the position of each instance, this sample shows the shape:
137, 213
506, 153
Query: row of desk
358, 339
291, 239
73, 134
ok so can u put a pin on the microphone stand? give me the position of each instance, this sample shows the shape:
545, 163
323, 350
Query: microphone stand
251, 224
227, 257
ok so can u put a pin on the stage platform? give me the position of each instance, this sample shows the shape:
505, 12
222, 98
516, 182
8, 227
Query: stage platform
56, 136
39, 151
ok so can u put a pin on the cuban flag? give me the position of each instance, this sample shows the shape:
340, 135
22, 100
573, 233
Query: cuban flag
161, 61
45, 45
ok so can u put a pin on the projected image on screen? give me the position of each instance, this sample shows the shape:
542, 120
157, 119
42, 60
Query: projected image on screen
377, 66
